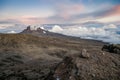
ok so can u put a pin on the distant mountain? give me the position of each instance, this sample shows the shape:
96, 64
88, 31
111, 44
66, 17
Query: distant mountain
39, 31
34, 29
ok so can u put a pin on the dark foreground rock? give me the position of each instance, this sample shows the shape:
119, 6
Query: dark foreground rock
112, 48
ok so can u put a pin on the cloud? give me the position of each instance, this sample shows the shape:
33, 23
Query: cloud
50, 20
4, 26
110, 26
109, 15
74, 14
105, 14
36, 20
11, 32
115, 11
12, 27
66, 10
56, 28
97, 33
9, 21
63, 11
32, 20
109, 19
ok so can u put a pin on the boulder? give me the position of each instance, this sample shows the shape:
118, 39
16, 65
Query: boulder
84, 54
112, 48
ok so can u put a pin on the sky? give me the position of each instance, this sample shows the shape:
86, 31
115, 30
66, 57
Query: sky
92, 19
58, 11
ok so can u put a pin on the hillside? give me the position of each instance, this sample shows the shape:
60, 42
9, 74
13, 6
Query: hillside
28, 57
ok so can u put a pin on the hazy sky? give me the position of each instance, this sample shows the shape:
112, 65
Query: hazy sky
58, 11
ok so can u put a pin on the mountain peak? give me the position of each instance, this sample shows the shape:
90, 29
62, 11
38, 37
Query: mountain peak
31, 29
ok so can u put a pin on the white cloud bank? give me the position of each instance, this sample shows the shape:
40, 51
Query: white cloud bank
106, 33
56, 28
11, 32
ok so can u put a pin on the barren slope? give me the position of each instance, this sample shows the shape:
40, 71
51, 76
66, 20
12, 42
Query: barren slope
27, 57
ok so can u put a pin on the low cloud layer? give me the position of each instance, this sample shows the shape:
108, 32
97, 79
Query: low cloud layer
11, 32
105, 33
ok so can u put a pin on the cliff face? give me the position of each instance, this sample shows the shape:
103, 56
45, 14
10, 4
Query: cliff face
28, 57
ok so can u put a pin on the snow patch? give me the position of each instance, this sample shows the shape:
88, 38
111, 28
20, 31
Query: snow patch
42, 27
44, 32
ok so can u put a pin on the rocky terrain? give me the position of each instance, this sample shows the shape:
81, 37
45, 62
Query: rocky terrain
112, 48
32, 57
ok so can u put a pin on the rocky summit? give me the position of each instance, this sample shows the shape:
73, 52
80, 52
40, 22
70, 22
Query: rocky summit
32, 29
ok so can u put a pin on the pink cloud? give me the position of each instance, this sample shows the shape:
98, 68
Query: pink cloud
66, 11
35, 20
115, 11
112, 15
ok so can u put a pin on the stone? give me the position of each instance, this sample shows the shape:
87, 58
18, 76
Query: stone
84, 54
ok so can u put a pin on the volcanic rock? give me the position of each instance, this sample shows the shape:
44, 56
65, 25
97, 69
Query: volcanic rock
85, 54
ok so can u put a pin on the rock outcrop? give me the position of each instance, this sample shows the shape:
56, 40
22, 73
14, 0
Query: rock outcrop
112, 48
34, 30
